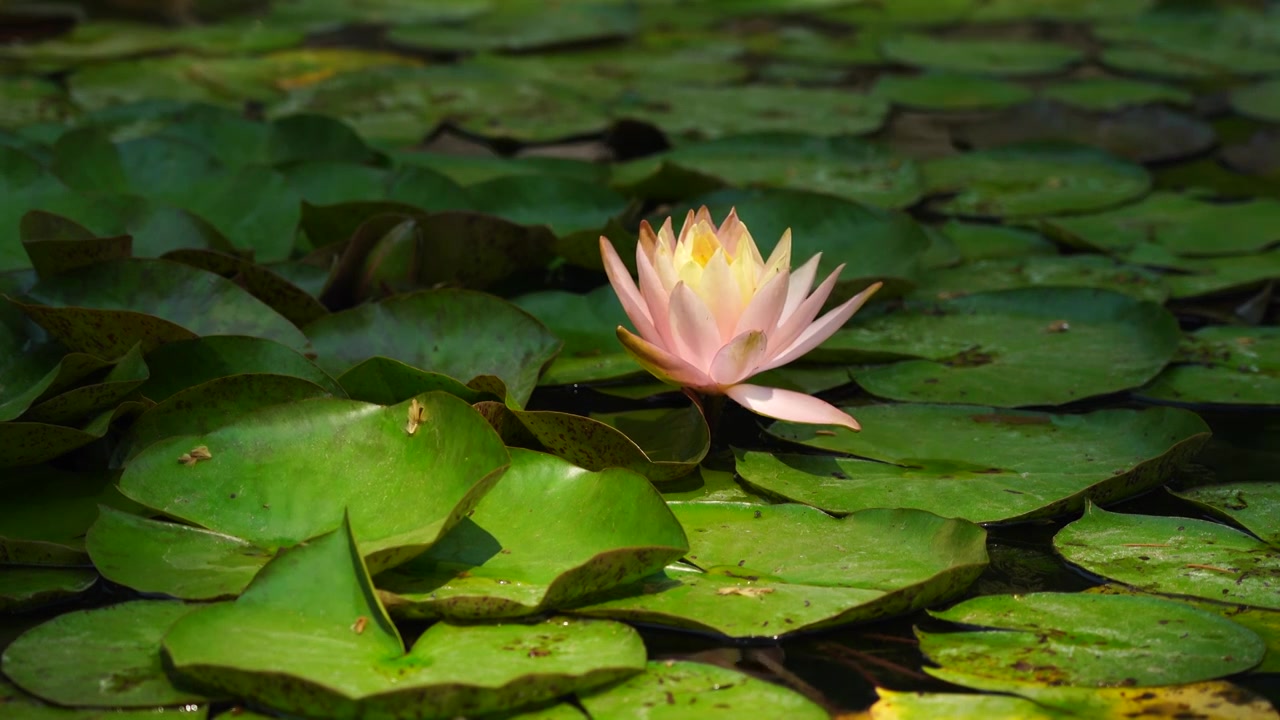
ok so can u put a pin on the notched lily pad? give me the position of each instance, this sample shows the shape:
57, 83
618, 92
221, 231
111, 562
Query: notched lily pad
1254, 506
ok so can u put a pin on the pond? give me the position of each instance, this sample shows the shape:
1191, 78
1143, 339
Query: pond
639, 359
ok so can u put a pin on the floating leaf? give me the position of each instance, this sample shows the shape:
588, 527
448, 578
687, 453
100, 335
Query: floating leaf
90, 399
978, 463
982, 241
982, 57
1227, 365
339, 654
1012, 348
403, 491
27, 588
1083, 640
1033, 180
458, 333
1173, 556
1043, 271
948, 91
546, 536
103, 657
1104, 94
181, 365
46, 512
690, 689
387, 382
1261, 101
521, 25
586, 324
771, 570
1253, 506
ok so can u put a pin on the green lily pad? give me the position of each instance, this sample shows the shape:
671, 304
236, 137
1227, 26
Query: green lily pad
978, 463
104, 657
565, 206
1173, 556
771, 570
29, 443
1107, 94
676, 690
873, 244
355, 456
387, 382
586, 324
203, 408
521, 25
106, 308
1253, 506
949, 91
982, 241
1225, 42
1156, 62
28, 100
469, 170
546, 536
1057, 10
458, 333
296, 305
845, 167
612, 72
1033, 180
1012, 348
688, 113
182, 561
32, 374
1213, 276
56, 244
1043, 271
981, 57
1261, 101
93, 398
1142, 134
47, 511
659, 444
256, 208
180, 365
26, 588
1227, 365
1082, 640
707, 485
338, 653
1183, 224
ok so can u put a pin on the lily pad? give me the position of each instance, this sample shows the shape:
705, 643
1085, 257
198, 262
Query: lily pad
1226, 365
387, 382
338, 653
983, 241
565, 206
403, 490
1107, 94
1261, 101
675, 690
1044, 271
586, 324
1012, 348
772, 570
1253, 506
1213, 276
47, 511
978, 463
180, 365
1174, 556
660, 444
459, 333
689, 113
546, 536
1033, 180
103, 657
182, 561
33, 373
949, 91
845, 167
981, 57
1183, 224
521, 25
106, 308
1083, 640
29, 443
26, 588
93, 398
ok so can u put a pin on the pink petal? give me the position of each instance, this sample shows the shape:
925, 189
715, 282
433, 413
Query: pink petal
694, 334
738, 360
801, 281
660, 363
815, 334
656, 298
790, 406
625, 288
790, 327
765, 308
647, 240
719, 290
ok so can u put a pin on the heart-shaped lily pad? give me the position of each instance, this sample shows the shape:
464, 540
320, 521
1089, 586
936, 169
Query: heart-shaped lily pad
185, 562
658, 444
978, 463
1174, 556
683, 689
405, 481
108, 307
1227, 365
1254, 506
547, 535
309, 637
103, 657
458, 333
1011, 348
1084, 640
771, 570
1033, 180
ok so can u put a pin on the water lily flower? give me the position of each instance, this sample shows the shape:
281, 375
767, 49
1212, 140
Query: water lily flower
711, 313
